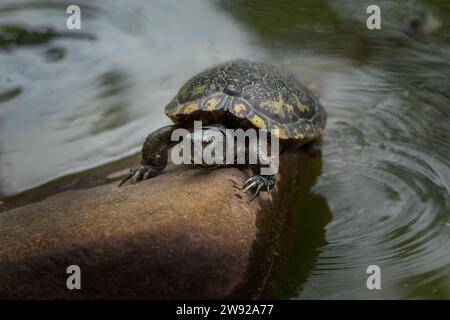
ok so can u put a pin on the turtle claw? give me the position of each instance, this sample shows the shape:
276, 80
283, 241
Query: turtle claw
258, 188
260, 183
128, 177
136, 176
138, 173
249, 186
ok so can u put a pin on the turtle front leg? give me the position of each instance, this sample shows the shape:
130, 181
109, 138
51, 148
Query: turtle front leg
154, 155
259, 183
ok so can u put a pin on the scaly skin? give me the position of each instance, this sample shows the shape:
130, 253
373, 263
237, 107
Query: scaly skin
155, 153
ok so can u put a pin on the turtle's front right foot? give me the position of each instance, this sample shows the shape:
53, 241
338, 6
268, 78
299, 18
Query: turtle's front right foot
258, 182
140, 172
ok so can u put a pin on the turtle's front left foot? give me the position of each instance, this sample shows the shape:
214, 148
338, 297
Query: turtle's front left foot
140, 172
258, 182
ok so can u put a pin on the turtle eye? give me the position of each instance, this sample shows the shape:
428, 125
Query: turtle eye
208, 140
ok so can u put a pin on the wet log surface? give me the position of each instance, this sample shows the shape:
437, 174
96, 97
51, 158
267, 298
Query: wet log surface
187, 234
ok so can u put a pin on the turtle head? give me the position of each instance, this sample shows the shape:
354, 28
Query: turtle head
209, 145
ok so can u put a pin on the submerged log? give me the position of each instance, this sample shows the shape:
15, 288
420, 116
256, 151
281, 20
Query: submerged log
186, 234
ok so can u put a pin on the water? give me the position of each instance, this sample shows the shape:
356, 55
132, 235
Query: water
70, 101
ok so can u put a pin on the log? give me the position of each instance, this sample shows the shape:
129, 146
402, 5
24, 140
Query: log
187, 234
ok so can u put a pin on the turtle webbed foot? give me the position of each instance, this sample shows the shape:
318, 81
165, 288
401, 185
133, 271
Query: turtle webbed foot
140, 172
265, 183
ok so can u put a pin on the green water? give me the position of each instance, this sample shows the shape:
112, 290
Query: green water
74, 100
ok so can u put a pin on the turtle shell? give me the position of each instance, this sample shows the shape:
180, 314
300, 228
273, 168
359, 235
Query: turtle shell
259, 94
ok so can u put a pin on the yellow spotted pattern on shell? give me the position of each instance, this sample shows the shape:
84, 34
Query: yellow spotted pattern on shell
280, 132
281, 107
240, 108
262, 94
190, 108
258, 122
211, 103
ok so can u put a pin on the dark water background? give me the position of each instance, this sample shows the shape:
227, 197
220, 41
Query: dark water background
73, 100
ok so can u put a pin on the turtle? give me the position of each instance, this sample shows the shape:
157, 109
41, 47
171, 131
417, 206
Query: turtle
237, 94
